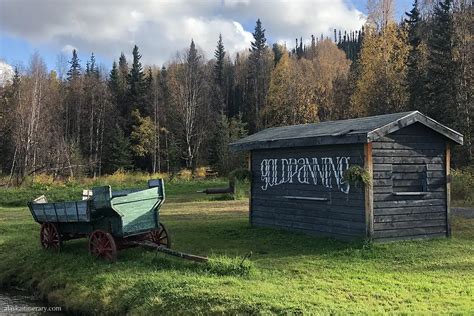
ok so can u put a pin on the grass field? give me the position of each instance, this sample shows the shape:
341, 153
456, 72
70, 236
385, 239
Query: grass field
177, 191
287, 272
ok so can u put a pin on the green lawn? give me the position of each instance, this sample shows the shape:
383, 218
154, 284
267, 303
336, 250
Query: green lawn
287, 273
177, 191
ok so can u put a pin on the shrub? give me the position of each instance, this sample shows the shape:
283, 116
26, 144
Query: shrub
200, 173
43, 181
118, 176
160, 175
462, 187
240, 174
185, 175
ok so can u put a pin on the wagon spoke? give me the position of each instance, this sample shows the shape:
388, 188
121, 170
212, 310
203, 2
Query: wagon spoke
108, 255
102, 245
50, 237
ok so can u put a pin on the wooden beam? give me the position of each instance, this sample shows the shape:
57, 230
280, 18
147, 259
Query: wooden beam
448, 188
369, 192
251, 186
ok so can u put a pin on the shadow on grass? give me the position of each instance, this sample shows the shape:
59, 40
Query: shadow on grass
233, 236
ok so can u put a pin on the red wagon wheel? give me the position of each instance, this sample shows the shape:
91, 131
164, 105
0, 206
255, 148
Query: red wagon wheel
159, 236
102, 245
50, 237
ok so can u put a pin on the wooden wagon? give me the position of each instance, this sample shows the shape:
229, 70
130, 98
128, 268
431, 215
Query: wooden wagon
112, 220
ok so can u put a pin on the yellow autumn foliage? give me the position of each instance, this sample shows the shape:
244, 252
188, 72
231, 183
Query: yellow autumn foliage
381, 80
290, 97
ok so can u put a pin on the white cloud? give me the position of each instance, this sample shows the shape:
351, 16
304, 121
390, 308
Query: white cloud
6, 73
160, 28
67, 49
291, 19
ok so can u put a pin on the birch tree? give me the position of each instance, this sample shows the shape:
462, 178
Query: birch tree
188, 85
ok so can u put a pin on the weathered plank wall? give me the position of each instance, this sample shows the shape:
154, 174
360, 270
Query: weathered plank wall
287, 194
409, 160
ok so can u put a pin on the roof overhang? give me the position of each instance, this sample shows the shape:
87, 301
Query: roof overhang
299, 142
415, 117
348, 137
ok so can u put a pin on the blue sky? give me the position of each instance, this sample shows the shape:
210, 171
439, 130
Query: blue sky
161, 28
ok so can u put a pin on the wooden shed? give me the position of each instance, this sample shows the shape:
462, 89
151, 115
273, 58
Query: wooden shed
297, 177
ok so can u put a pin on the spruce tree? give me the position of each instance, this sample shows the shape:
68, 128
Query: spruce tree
278, 51
312, 49
73, 108
149, 79
92, 70
16, 78
114, 87
192, 58
260, 42
415, 71
227, 130
217, 96
74, 71
117, 153
219, 54
259, 77
440, 81
122, 87
136, 83
114, 79
163, 91
299, 49
123, 67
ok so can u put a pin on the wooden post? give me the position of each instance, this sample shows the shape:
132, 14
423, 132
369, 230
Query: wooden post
448, 189
369, 192
251, 193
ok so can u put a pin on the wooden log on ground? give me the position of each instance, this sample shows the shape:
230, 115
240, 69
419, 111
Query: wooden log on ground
230, 189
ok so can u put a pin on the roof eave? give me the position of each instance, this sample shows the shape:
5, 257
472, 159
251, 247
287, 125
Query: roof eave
410, 119
299, 142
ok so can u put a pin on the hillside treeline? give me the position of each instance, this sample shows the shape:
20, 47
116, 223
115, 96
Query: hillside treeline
81, 120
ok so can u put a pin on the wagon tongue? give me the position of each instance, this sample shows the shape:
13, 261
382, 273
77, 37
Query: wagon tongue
160, 248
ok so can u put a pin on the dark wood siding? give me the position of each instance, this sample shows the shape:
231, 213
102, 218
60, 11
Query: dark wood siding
321, 208
409, 160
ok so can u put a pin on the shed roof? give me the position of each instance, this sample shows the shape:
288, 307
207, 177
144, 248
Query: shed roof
359, 130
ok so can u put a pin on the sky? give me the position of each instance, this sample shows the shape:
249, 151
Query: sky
161, 28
